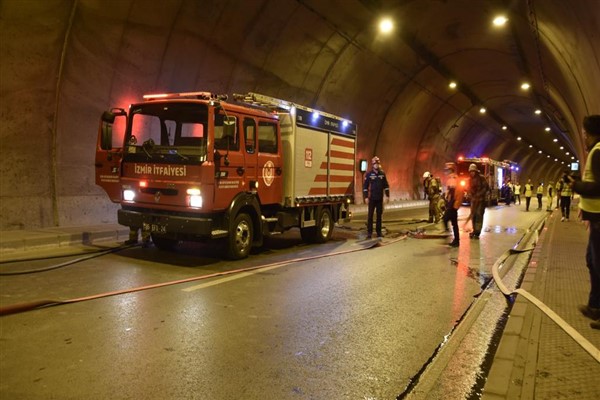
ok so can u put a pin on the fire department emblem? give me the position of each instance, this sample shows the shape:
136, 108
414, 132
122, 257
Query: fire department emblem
268, 173
157, 196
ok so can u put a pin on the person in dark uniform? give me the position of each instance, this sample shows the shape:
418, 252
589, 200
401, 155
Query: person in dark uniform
478, 191
454, 197
374, 187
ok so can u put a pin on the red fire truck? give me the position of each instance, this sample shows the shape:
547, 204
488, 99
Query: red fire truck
194, 166
495, 172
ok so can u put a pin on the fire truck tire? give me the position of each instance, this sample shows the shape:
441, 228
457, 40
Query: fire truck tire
164, 243
240, 239
322, 231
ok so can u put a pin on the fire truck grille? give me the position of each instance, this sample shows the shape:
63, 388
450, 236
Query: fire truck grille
166, 192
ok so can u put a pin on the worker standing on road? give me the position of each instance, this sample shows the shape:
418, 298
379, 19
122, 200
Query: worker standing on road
589, 205
453, 197
434, 195
559, 188
566, 195
540, 193
478, 191
549, 196
374, 187
528, 194
517, 192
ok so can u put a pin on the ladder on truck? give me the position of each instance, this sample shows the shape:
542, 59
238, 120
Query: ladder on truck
275, 104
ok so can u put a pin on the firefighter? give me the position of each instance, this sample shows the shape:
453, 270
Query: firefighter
426, 180
453, 197
434, 195
478, 191
374, 187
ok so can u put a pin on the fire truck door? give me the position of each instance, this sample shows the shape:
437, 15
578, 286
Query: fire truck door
230, 168
269, 168
250, 152
109, 152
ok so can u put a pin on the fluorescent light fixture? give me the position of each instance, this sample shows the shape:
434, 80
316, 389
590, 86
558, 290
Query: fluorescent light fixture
500, 20
386, 25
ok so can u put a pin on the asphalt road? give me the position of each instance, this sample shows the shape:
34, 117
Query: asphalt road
358, 324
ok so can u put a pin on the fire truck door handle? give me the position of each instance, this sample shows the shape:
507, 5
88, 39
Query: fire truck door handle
278, 170
240, 171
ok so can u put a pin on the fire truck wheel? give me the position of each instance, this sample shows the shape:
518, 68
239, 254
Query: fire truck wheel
164, 243
324, 226
322, 231
240, 239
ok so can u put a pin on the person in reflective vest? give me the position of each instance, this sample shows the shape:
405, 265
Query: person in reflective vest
559, 188
517, 192
566, 194
374, 187
528, 194
549, 196
540, 194
589, 205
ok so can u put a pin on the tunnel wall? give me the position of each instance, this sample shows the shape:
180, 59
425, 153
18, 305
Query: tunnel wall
64, 62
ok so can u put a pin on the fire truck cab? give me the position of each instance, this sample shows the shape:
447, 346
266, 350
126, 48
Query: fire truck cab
193, 166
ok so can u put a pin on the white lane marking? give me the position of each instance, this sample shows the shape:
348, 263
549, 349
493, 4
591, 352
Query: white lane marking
230, 278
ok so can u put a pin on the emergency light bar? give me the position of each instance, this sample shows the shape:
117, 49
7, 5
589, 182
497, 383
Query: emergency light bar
197, 95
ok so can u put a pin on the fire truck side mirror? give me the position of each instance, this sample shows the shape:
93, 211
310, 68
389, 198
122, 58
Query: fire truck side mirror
108, 119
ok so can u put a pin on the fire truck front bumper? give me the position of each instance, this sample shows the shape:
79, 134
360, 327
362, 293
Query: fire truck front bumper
169, 225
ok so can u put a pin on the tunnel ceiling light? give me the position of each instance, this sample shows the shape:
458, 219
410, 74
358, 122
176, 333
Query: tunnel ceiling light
482, 110
530, 146
538, 111
555, 140
562, 147
539, 151
525, 86
547, 129
519, 138
500, 20
452, 85
504, 127
567, 153
386, 25
548, 156
556, 159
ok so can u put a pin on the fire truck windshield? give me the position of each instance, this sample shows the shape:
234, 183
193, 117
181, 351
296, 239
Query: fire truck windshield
176, 132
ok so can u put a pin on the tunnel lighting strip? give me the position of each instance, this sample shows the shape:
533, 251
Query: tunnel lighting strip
582, 341
22, 307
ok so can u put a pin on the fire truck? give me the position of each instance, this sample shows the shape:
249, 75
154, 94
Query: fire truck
495, 172
195, 166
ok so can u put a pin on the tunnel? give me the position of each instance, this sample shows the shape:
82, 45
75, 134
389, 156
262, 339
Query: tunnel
505, 79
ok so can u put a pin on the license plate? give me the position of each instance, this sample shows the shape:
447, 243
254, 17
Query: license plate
154, 228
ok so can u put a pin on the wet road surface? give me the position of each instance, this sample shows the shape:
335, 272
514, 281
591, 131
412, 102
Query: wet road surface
356, 325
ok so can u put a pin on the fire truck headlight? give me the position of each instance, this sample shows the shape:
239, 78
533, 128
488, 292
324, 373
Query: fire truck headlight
128, 195
195, 199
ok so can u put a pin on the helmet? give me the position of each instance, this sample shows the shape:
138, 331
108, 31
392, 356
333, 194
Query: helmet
426, 174
450, 165
473, 167
375, 160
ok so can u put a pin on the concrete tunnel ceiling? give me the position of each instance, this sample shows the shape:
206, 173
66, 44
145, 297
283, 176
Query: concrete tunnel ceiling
64, 62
